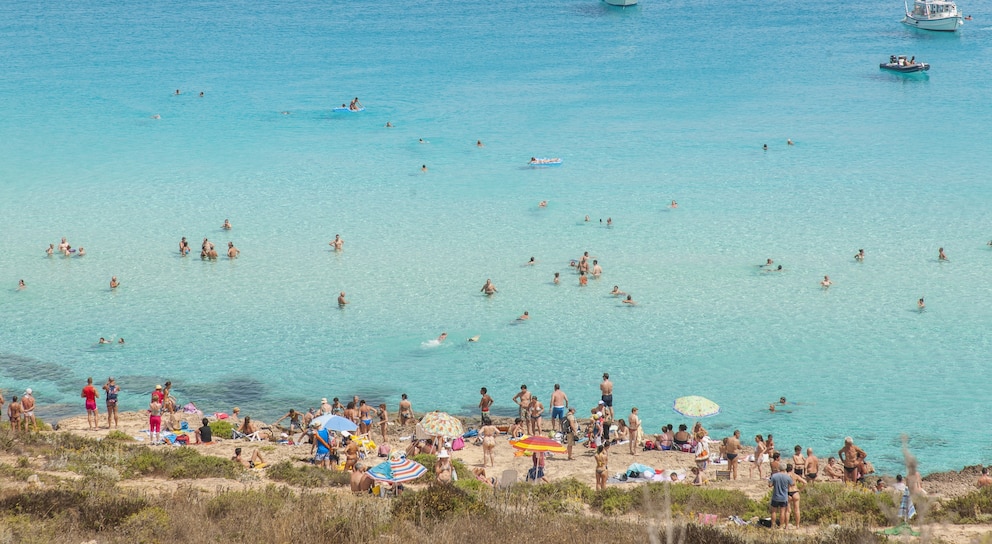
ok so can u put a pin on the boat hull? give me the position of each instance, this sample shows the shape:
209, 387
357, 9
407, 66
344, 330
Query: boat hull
945, 24
621, 3
904, 69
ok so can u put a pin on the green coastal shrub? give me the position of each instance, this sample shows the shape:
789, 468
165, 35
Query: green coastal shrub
119, 436
221, 428
686, 499
264, 503
177, 463
95, 511
828, 503
974, 507
307, 475
613, 501
437, 502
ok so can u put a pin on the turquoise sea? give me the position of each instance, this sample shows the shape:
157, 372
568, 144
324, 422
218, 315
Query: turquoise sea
663, 101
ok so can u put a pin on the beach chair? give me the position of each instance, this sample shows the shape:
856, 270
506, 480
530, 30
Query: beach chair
238, 435
507, 479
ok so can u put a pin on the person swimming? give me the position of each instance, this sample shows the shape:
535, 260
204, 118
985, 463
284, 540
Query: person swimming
226, 225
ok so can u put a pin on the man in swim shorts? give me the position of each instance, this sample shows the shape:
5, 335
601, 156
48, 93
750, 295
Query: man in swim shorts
27, 410
484, 404
812, 465
522, 400
559, 401
732, 449
853, 458
606, 388
780, 483
90, 394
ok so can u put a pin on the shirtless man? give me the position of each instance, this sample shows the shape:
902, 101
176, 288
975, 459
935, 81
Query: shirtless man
337, 243
226, 225
341, 300
524, 317
583, 279
114, 283
489, 289
27, 410
860, 256
14, 414
853, 459
732, 449
629, 300
940, 255
826, 282
361, 482
50, 250
485, 403
984, 480
634, 427
536, 411
63, 245
405, 411
597, 270
559, 402
812, 466
232, 252
325, 407
606, 388
522, 400
489, 433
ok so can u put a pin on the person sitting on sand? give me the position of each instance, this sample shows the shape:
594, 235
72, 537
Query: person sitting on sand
833, 471
517, 429
443, 468
480, 475
361, 482
204, 435
250, 427
256, 460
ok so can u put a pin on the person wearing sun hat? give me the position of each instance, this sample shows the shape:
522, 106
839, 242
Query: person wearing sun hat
157, 395
325, 407
442, 468
27, 410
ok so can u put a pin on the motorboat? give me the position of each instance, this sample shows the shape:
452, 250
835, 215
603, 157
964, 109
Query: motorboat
941, 15
903, 66
621, 3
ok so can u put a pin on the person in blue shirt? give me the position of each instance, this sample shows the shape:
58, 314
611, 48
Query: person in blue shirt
780, 482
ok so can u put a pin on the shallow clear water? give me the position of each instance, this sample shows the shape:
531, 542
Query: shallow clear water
658, 102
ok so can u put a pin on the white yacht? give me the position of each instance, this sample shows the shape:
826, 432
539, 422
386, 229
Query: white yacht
934, 15
621, 3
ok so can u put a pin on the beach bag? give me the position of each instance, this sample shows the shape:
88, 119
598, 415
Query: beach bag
457, 444
384, 450
182, 440
648, 445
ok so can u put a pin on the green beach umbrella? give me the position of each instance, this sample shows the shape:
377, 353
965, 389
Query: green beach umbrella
696, 406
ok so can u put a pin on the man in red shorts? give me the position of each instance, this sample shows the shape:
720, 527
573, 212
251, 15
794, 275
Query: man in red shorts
91, 394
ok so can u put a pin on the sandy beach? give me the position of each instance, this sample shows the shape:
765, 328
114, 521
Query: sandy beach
581, 468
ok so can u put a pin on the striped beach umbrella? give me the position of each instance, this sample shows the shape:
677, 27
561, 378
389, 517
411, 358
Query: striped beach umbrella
397, 470
536, 443
695, 406
442, 424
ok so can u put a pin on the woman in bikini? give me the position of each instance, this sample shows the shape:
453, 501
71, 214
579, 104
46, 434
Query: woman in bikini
488, 433
797, 483
759, 456
383, 420
601, 468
